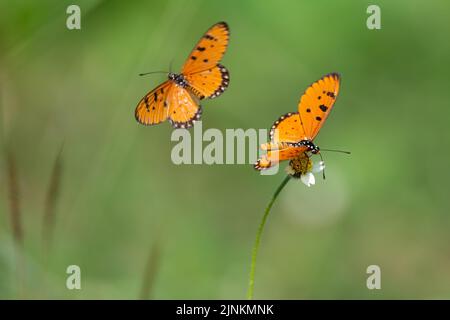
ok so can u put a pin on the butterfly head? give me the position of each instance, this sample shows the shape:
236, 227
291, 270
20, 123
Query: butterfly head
315, 149
178, 79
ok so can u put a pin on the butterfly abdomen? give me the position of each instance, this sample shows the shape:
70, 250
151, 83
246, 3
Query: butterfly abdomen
276, 145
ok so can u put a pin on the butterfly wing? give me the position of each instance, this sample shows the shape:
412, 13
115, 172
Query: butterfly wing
314, 107
287, 129
206, 78
209, 83
273, 157
209, 49
154, 106
316, 103
184, 108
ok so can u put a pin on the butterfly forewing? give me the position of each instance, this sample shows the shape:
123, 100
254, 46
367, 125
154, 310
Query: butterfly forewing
316, 103
209, 50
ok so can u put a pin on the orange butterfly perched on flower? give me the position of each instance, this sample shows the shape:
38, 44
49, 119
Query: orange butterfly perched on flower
292, 135
177, 99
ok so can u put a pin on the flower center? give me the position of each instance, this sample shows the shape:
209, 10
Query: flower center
302, 164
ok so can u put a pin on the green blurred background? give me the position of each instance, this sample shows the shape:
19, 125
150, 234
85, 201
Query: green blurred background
121, 198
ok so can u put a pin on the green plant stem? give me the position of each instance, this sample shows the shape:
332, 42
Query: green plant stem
251, 281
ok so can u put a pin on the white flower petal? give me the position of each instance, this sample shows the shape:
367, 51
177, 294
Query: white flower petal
318, 167
308, 179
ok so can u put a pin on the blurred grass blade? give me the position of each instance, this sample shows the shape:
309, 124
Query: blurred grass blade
53, 192
16, 221
150, 271
13, 186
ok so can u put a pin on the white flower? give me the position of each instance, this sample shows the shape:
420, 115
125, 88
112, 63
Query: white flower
308, 179
303, 168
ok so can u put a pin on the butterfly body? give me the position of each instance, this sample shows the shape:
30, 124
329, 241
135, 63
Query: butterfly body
178, 79
178, 99
310, 146
293, 133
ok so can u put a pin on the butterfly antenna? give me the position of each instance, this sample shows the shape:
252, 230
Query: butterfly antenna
333, 150
323, 171
152, 72
170, 66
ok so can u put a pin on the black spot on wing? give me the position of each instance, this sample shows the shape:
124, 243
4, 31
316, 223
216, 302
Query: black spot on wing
331, 94
323, 107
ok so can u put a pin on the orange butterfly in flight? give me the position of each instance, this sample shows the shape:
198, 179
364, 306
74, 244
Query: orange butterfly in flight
293, 134
177, 99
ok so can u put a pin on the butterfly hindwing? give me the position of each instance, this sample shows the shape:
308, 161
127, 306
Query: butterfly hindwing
209, 49
287, 129
273, 157
209, 83
184, 108
316, 103
154, 106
